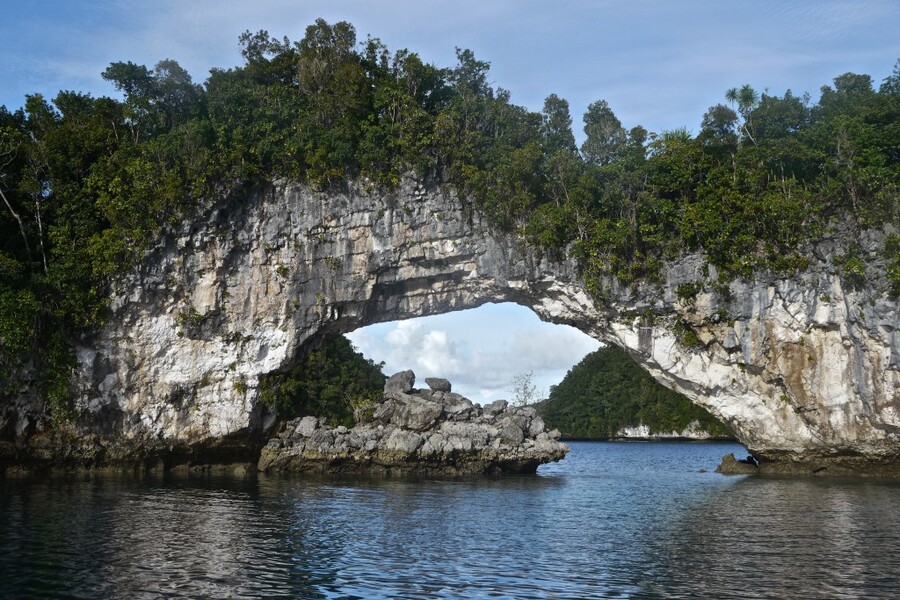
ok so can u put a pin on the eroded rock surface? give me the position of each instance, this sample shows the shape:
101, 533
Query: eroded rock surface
804, 368
418, 431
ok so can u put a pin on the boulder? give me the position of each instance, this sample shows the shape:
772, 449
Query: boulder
306, 426
511, 431
496, 407
384, 412
403, 441
732, 466
536, 427
418, 414
457, 407
402, 382
323, 438
438, 384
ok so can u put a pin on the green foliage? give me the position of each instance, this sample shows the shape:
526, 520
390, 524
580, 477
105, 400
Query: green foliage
607, 391
687, 336
331, 381
688, 291
853, 268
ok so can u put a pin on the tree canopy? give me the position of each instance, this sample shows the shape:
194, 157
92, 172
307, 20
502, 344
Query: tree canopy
330, 381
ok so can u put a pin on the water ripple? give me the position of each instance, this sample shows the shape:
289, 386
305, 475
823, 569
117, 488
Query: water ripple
612, 520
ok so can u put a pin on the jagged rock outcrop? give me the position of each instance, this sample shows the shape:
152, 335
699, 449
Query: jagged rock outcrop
418, 431
731, 465
803, 369
693, 431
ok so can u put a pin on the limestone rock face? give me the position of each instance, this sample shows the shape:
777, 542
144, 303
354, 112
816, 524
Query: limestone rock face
804, 367
693, 431
417, 434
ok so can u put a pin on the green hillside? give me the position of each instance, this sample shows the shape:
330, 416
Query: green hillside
607, 390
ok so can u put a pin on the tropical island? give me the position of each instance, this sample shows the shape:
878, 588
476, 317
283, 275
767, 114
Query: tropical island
139, 237
608, 396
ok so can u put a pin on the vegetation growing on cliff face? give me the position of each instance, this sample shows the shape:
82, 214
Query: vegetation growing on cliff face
87, 183
331, 381
607, 391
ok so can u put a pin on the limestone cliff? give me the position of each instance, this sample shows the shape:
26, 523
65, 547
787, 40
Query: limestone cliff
693, 431
803, 368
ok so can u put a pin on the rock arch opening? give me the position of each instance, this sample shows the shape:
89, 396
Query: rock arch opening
481, 350
799, 367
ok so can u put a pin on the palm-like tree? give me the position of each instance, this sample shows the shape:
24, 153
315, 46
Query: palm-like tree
746, 99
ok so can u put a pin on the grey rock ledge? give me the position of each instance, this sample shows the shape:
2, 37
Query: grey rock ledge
424, 432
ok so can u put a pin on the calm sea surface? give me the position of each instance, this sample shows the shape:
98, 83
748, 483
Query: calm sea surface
611, 520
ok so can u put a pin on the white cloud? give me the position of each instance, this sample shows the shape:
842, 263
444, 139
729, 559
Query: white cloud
413, 344
480, 351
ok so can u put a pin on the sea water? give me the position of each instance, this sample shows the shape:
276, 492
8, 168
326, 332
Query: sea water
622, 520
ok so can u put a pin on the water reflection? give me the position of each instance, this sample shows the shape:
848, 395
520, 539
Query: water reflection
807, 538
620, 520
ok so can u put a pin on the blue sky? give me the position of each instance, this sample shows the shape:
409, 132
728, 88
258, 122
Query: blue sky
659, 64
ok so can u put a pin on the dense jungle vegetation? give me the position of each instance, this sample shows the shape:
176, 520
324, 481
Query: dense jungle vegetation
607, 391
332, 381
87, 183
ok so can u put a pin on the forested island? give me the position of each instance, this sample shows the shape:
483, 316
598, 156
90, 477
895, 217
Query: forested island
607, 393
88, 184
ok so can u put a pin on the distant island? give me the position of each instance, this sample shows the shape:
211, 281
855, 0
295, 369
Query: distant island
607, 396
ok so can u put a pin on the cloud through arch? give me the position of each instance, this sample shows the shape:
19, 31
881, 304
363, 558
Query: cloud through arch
480, 350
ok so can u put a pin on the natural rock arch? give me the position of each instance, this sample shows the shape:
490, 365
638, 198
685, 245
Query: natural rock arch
800, 368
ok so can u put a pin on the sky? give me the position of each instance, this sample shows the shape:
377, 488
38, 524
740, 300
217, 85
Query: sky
658, 64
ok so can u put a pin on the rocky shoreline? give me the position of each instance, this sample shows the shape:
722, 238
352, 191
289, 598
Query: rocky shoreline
642, 432
430, 431
818, 466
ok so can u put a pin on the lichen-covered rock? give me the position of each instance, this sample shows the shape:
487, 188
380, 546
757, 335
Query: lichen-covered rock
417, 434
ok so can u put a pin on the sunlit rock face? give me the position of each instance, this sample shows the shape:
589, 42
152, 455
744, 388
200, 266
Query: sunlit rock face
803, 367
693, 431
